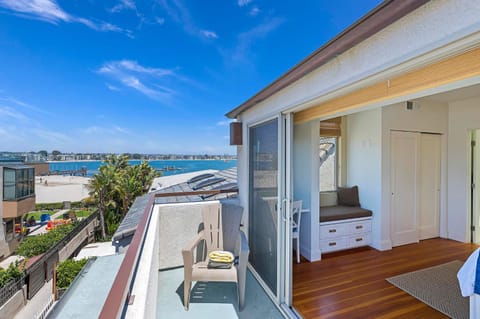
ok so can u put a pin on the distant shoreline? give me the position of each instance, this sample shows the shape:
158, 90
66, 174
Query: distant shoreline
196, 159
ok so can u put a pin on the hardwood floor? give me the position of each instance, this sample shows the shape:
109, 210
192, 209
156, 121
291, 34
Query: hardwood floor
351, 284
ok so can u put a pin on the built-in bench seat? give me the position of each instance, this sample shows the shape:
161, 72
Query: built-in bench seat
332, 213
346, 224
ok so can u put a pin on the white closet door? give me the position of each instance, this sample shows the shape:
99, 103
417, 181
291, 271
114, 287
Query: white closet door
429, 192
404, 159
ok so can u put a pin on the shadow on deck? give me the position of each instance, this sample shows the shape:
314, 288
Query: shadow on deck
211, 299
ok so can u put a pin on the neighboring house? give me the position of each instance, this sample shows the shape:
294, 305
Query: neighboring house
17, 198
401, 88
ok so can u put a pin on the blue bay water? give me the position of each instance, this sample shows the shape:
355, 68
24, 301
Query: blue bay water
183, 166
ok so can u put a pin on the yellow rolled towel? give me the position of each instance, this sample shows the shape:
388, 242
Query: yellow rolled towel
221, 256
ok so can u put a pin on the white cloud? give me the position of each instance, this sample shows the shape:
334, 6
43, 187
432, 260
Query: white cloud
159, 20
50, 11
209, 34
146, 80
112, 87
254, 11
124, 5
51, 136
242, 3
11, 100
223, 123
99, 130
180, 14
6, 111
240, 54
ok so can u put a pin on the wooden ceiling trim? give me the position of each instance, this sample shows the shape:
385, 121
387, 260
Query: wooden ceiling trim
453, 69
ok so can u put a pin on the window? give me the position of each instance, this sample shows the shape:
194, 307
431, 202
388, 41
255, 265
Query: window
18, 183
328, 163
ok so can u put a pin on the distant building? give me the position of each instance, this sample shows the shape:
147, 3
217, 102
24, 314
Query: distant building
16, 198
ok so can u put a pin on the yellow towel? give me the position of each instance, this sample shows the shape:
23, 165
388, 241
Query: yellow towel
221, 256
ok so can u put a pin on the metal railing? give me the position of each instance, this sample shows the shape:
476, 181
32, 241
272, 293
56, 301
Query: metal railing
44, 312
11, 289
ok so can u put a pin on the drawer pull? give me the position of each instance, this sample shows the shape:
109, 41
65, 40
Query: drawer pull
359, 239
332, 244
332, 230
358, 227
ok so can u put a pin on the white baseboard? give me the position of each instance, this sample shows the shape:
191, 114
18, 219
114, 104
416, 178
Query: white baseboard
458, 237
382, 244
306, 252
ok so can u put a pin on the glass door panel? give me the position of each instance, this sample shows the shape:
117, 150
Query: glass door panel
263, 201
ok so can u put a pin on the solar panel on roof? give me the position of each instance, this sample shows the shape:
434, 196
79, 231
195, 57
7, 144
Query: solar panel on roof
228, 186
199, 178
208, 182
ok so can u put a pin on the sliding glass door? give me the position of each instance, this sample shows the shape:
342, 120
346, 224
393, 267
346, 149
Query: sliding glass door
269, 221
263, 203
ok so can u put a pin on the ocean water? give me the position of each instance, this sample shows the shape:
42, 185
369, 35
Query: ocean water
181, 166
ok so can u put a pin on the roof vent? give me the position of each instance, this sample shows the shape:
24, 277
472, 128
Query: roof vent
199, 178
227, 187
208, 182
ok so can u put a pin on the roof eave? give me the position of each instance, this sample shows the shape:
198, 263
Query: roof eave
374, 21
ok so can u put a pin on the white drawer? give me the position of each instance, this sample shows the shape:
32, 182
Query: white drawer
358, 240
359, 227
333, 244
334, 230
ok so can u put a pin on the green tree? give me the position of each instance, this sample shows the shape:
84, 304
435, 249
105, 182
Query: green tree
116, 186
128, 187
67, 271
101, 188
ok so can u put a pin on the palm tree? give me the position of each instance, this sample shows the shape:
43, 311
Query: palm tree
116, 186
128, 187
101, 189
119, 162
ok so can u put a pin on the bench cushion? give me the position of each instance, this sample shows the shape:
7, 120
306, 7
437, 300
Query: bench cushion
348, 196
331, 213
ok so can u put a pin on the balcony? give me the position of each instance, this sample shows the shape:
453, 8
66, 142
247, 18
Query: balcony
16, 208
145, 279
149, 283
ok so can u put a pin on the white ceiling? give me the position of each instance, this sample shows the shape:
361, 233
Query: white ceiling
455, 95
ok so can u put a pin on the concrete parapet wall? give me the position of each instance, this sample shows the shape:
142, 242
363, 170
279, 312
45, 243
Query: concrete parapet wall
14, 304
178, 225
73, 244
146, 280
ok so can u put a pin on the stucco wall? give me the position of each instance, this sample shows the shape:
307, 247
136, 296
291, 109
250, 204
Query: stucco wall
463, 117
306, 185
364, 158
178, 226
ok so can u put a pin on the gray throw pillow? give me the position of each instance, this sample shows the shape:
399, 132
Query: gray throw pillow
348, 196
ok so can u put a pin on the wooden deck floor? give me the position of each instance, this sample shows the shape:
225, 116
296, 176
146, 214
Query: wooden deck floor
351, 284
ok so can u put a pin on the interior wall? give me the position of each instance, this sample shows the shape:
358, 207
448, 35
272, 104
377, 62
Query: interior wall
428, 116
364, 159
463, 117
306, 184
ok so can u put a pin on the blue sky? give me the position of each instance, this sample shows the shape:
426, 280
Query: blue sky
152, 76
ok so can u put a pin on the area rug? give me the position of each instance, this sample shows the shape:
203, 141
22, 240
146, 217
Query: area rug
437, 287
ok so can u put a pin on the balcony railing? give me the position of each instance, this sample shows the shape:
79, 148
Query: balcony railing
119, 295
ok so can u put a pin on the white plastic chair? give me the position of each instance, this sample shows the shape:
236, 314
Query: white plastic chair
296, 219
221, 232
